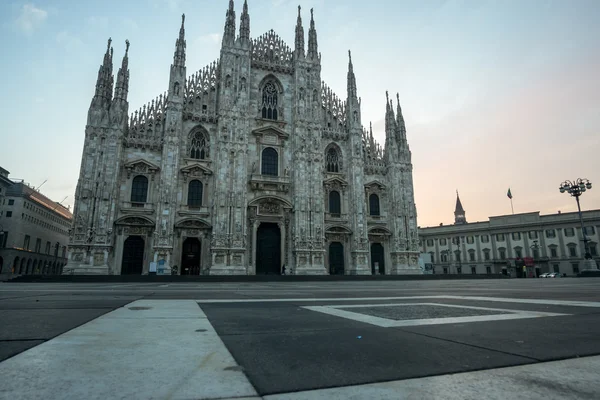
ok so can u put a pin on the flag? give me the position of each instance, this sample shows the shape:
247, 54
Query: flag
509, 194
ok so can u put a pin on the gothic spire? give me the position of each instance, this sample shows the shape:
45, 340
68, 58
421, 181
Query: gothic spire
104, 83
299, 36
313, 47
229, 34
179, 56
459, 212
122, 87
245, 23
351, 78
400, 120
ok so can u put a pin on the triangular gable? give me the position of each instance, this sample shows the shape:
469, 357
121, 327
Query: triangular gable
271, 48
140, 166
335, 180
270, 130
196, 169
375, 183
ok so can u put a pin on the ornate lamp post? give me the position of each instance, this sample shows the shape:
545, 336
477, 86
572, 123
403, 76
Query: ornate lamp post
456, 241
535, 249
575, 189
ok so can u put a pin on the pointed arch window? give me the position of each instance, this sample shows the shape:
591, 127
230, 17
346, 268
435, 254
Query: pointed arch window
335, 204
269, 101
332, 160
374, 205
270, 162
139, 189
195, 192
198, 145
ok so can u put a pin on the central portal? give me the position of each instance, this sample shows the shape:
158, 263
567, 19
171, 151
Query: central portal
268, 249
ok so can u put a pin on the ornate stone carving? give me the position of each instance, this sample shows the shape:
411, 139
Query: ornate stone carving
269, 207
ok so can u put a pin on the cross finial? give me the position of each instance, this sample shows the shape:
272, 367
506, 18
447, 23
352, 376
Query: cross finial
350, 55
126, 45
182, 19
299, 8
311, 13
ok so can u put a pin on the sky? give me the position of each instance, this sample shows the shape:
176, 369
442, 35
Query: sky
495, 94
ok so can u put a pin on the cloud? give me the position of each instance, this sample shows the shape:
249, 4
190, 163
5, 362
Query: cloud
68, 41
30, 18
96, 22
213, 38
130, 24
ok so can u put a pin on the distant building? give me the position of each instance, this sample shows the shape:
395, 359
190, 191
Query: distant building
512, 244
459, 212
35, 231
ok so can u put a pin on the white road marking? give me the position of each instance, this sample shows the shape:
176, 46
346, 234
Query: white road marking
470, 298
149, 349
556, 380
339, 311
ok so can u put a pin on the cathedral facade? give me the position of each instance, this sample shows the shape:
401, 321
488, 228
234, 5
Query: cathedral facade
251, 165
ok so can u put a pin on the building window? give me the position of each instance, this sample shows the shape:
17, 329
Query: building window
550, 233
516, 235
195, 192
335, 204
556, 268
47, 248
486, 255
572, 251
553, 252
270, 162
443, 242
471, 256
11, 202
500, 237
432, 257
459, 270
485, 239
575, 267
198, 145
569, 232
38, 245
332, 160
470, 239
269, 101
429, 242
518, 252
446, 270
139, 189
488, 270
589, 230
26, 242
473, 270
444, 257
8, 214
457, 255
533, 235
374, 204
502, 253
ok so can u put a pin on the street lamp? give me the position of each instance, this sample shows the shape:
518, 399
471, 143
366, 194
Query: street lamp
575, 189
535, 249
456, 241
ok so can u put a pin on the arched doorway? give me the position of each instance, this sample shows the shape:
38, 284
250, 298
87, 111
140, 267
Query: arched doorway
15, 266
377, 259
268, 249
336, 258
23, 267
133, 256
29, 267
190, 257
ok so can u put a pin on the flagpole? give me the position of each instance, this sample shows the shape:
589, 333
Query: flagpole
511, 206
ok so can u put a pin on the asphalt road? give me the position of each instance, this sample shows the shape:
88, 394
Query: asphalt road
298, 336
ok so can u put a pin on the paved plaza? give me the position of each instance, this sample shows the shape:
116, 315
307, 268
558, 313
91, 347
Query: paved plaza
475, 339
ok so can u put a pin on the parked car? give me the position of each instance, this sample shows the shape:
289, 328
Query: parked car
555, 275
545, 275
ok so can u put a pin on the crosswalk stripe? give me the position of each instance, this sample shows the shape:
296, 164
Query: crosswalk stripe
149, 349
